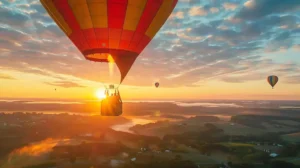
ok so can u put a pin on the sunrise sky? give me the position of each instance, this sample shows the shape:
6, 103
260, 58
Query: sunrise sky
208, 49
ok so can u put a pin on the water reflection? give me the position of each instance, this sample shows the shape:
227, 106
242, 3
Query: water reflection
134, 121
35, 153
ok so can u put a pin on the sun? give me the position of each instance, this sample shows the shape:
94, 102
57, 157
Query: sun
100, 94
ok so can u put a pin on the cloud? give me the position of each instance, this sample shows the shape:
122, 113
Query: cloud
197, 11
250, 4
4, 76
293, 79
255, 9
64, 84
178, 15
288, 68
193, 2
297, 47
230, 6
214, 10
13, 17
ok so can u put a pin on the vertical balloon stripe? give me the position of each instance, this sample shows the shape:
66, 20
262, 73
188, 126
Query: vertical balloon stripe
137, 36
134, 12
56, 16
98, 13
275, 80
143, 43
269, 80
116, 17
149, 13
77, 37
116, 13
65, 10
114, 38
160, 18
81, 12
174, 4
91, 38
102, 37
90, 33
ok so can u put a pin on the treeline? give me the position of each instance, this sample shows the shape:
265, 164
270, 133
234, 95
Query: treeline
87, 150
212, 139
162, 164
273, 164
43, 165
213, 134
256, 121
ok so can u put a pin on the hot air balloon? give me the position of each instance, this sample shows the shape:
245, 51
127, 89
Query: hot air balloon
110, 30
156, 84
272, 80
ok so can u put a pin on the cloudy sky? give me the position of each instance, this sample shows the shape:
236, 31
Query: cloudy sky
208, 49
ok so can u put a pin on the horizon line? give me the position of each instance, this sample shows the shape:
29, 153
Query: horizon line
141, 100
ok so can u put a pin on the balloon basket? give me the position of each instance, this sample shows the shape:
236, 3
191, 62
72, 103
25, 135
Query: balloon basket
112, 105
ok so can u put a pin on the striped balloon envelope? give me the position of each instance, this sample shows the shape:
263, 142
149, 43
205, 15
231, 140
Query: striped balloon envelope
272, 80
110, 30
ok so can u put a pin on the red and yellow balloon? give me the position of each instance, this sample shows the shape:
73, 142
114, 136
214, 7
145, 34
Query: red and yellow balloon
110, 30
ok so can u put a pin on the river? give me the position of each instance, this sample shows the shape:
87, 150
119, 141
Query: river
134, 121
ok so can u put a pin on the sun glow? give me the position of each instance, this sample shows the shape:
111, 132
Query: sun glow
100, 94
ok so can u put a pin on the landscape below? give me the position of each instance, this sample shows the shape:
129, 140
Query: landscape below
175, 136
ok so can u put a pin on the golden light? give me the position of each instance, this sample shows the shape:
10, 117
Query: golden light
111, 62
110, 59
100, 94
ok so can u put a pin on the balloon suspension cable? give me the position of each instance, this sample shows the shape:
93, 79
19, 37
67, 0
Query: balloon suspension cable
103, 85
118, 86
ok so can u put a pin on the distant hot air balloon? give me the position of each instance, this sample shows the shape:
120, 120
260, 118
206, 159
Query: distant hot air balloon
272, 80
156, 84
110, 30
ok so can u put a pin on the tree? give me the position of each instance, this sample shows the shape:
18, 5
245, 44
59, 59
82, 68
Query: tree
178, 157
289, 151
210, 126
181, 164
72, 159
281, 164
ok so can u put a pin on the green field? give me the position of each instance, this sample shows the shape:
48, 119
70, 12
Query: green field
294, 160
295, 137
238, 129
278, 128
288, 122
237, 144
192, 156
